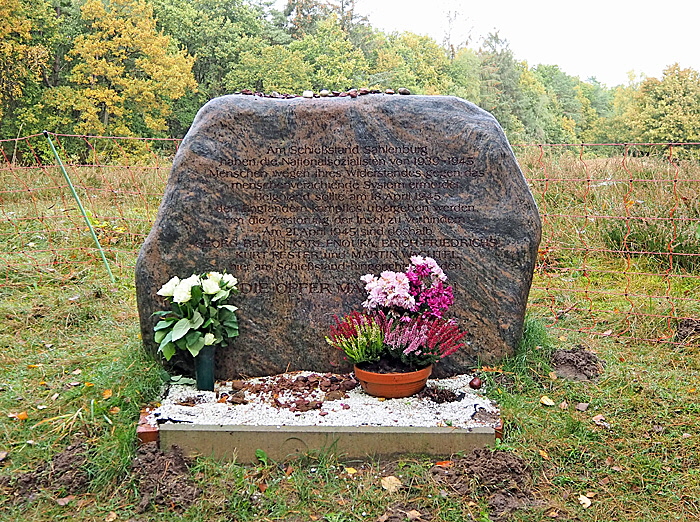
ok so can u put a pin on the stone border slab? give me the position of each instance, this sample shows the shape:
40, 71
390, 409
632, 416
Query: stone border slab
281, 442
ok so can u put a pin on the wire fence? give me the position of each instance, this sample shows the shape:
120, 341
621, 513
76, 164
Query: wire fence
620, 251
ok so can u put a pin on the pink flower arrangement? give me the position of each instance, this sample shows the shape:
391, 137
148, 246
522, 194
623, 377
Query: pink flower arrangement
403, 318
420, 291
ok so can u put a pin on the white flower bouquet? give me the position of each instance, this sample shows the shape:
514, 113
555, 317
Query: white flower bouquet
198, 316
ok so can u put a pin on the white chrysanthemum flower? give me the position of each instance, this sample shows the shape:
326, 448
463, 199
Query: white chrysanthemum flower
168, 288
183, 291
210, 286
230, 281
215, 276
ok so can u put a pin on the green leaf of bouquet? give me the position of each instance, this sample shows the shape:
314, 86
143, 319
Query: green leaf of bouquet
206, 323
161, 313
195, 348
194, 339
196, 292
181, 328
230, 307
168, 351
165, 323
196, 320
221, 294
159, 336
165, 340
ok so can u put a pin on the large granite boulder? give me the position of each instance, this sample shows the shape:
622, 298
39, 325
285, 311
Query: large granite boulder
299, 198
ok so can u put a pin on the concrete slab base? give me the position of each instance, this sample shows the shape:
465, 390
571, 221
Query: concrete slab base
281, 442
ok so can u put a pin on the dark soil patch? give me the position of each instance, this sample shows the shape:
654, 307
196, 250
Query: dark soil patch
439, 395
387, 366
66, 474
577, 364
163, 478
501, 475
688, 330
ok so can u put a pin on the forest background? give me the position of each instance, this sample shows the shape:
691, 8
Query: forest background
144, 67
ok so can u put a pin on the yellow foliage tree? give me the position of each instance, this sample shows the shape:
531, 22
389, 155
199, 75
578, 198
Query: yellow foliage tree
20, 59
125, 74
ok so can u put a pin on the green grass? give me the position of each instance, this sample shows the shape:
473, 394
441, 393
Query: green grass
643, 465
70, 357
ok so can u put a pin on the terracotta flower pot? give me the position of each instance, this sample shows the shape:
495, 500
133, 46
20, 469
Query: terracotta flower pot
393, 385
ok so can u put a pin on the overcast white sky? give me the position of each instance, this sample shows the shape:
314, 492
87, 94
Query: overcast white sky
595, 38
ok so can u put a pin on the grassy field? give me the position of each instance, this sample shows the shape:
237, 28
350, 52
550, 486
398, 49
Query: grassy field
73, 376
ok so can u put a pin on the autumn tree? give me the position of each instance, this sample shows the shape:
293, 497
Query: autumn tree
124, 75
22, 56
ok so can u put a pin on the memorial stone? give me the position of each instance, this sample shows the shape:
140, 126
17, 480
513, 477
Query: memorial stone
298, 198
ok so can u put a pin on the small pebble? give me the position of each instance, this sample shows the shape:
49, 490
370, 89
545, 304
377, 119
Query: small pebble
404, 91
324, 93
389, 91
308, 94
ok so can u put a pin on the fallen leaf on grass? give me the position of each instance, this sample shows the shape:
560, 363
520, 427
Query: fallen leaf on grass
391, 484
563, 405
262, 487
599, 420
584, 501
111, 517
553, 376
114, 410
55, 396
76, 372
582, 406
65, 500
3, 455
546, 401
552, 513
22, 416
413, 514
107, 394
350, 471
445, 463
544, 454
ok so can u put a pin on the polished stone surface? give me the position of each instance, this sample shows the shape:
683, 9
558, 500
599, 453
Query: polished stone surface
298, 198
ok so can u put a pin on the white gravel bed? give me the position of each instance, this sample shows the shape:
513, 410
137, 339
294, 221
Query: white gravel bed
358, 409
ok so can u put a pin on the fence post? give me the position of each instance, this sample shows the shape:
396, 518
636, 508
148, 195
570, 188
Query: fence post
80, 205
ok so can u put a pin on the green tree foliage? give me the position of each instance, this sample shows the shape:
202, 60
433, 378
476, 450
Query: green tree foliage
669, 109
272, 68
123, 76
144, 67
415, 62
334, 61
